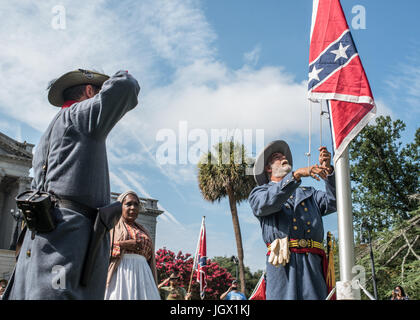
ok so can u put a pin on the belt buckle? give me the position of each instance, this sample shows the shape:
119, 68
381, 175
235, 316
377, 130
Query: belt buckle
303, 243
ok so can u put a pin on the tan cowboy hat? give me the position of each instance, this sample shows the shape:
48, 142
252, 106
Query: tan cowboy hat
71, 79
174, 276
281, 146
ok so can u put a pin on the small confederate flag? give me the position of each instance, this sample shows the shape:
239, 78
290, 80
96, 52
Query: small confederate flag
259, 291
200, 260
336, 74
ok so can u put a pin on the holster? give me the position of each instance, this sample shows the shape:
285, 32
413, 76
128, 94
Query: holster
37, 208
106, 219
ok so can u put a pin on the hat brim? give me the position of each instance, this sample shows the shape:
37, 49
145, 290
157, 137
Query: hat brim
281, 146
71, 79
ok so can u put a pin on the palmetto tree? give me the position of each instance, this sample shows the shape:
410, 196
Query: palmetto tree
225, 173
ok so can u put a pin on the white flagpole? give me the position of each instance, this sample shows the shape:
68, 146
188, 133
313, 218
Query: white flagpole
346, 290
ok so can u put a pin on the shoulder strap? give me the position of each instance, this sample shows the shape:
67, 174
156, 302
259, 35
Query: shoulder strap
45, 165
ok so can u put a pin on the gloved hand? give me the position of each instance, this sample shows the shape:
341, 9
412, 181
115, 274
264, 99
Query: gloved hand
280, 254
284, 252
275, 251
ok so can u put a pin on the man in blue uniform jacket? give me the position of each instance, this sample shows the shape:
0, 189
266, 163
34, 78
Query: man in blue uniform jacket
291, 222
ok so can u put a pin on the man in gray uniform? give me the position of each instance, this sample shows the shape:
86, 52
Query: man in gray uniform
50, 264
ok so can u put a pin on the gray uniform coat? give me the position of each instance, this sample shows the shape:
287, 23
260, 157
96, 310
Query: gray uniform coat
286, 209
49, 266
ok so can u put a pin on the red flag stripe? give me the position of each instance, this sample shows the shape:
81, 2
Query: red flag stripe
329, 24
336, 74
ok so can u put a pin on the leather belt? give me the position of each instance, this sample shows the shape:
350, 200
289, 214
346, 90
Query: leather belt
87, 211
301, 244
305, 243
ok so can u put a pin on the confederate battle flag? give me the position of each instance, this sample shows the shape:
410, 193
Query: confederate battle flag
336, 74
200, 260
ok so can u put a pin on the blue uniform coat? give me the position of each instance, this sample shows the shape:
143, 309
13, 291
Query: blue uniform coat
286, 209
77, 169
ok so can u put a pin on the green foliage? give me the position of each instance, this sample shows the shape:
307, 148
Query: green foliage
223, 173
217, 277
250, 278
395, 263
223, 169
384, 173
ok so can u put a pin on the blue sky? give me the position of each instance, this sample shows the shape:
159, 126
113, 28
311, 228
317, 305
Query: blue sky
210, 64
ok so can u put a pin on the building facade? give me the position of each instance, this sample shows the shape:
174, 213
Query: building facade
15, 164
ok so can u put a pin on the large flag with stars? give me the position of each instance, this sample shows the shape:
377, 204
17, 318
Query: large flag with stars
200, 260
336, 74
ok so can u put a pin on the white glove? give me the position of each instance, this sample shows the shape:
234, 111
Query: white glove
284, 252
279, 252
275, 251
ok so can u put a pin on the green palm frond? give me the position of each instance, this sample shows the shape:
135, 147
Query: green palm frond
225, 166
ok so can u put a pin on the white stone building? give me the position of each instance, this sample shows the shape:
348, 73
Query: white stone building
15, 163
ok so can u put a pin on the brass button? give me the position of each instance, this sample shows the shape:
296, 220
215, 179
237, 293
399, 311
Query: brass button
28, 253
294, 219
308, 223
291, 197
308, 231
306, 209
303, 203
294, 227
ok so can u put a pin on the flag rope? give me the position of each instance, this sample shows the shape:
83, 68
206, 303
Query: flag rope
308, 154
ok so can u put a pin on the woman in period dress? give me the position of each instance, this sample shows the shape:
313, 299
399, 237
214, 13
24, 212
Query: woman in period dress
132, 269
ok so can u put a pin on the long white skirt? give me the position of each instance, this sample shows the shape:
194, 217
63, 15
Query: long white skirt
133, 280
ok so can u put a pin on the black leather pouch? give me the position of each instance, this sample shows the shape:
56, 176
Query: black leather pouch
37, 208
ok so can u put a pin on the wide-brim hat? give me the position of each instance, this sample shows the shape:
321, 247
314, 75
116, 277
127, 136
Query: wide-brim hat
71, 79
281, 146
174, 276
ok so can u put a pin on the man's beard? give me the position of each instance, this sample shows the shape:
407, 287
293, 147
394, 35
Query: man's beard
280, 171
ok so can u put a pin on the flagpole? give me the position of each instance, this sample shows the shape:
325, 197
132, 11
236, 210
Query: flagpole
195, 256
345, 289
192, 272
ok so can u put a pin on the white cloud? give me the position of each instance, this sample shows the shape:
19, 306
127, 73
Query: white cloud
201, 90
404, 83
382, 109
208, 95
129, 35
252, 57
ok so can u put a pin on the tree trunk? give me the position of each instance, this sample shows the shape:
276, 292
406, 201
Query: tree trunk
238, 237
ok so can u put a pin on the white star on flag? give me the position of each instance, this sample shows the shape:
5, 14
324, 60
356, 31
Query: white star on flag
313, 75
340, 52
